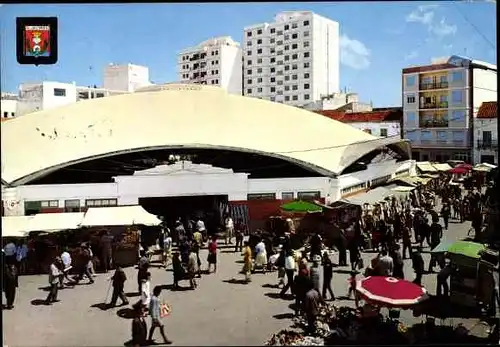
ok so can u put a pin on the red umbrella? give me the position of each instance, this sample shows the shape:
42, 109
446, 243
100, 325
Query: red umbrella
390, 291
465, 166
458, 170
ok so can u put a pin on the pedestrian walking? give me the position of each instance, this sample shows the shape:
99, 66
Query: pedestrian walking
142, 270
327, 276
314, 272
139, 327
247, 261
442, 280
146, 290
212, 254
86, 264
418, 266
54, 274
66, 261
290, 267
118, 283
229, 232
193, 269
10, 284
238, 233
155, 313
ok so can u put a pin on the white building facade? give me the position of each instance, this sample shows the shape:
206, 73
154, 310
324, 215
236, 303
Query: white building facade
214, 62
295, 60
8, 105
187, 179
440, 103
126, 77
486, 134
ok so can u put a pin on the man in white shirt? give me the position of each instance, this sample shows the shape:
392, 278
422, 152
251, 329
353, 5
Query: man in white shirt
146, 290
66, 261
10, 249
229, 229
200, 226
54, 274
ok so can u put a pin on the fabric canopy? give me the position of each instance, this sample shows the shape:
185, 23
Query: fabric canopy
458, 170
301, 207
442, 247
484, 167
442, 166
426, 166
402, 189
370, 197
16, 226
467, 249
119, 215
51, 222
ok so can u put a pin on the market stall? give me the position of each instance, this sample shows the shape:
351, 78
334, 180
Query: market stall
16, 226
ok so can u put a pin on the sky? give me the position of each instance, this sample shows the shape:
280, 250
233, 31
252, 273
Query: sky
377, 39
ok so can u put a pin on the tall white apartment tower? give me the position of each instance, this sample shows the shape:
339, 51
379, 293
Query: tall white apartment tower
214, 62
294, 60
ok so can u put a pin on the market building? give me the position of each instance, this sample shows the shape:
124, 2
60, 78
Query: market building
172, 146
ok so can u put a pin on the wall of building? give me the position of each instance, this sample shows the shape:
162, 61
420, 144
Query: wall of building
127, 77
392, 128
50, 97
8, 107
485, 87
480, 126
231, 65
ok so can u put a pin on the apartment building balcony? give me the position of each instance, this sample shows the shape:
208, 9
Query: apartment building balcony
433, 85
433, 123
434, 105
488, 145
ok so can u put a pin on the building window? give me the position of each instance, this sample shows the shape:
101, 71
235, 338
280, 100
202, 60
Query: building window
294, 25
272, 31
259, 32
294, 67
101, 202
287, 67
410, 99
249, 43
286, 37
307, 64
279, 32
272, 98
249, 72
295, 46
287, 88
457, 76
280, 83
287, 57
287, 98
273, 60
411, 117
295, 87
295, 56
249, 52
259, 41
259, 61
309, 195
72, 205
287, 196
259, 70
249, 34
410, 81
12, 114
369, 131
306, 86
249, 81
259, 51
279, 43
287, 47
307, 54
295, 36
457, 96
249, 91
272, 40
295, 98
294, 77
306, 33
262, 196
306, 96
442, 136
306, 44
306, 23
273, 79
383, 132
6, 115
259, 90
458, 116
306, 75
272, 70
49, 203
249, 62
259, 80
280, 62
458, 136
273, 89
59, 92
411, 135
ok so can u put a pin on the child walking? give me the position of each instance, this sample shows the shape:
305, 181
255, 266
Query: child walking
352, 287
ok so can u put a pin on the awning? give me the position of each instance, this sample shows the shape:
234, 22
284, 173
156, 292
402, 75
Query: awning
16, 226
467, 249
442, 166
51, 222
409, 180
401, 189
485, 167
119, 215
426, 166
429, 175
300, 206
370, 197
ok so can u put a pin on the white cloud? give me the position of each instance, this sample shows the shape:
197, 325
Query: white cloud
425, 15
411, 55
443, 29
354, 53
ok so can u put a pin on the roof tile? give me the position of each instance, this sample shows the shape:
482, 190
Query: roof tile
367, 117
488, 109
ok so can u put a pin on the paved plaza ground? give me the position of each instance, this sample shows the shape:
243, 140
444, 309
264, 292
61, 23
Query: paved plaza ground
217, 313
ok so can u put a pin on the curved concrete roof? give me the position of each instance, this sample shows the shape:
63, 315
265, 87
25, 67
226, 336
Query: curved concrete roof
173, 116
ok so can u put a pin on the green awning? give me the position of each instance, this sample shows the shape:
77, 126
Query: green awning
301, 207
443, 247
467, 249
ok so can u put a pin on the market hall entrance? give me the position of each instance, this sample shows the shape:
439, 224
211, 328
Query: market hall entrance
210, 208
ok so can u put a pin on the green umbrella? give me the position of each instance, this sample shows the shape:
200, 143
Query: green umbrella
443, 247
467, 249
301, 207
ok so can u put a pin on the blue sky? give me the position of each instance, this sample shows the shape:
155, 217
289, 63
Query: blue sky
377, 39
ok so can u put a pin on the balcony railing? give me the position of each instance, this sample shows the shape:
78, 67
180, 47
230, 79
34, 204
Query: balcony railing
435, 85
434, 123
434, 105
492, 144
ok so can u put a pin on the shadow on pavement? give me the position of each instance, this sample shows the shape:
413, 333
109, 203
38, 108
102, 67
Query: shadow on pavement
283, 315
132, 295
239, 261
102, 306
125, 313
342, 271
38, 302
271, 286
235, 281
278, 296
441, 307
45, 289
228, 251
173, 289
